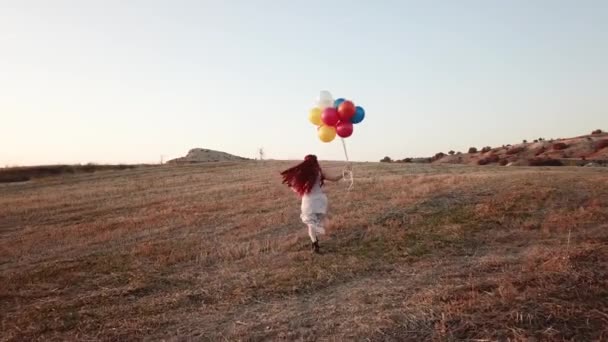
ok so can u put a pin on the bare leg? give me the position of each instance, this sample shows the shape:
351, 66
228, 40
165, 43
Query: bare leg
312, 232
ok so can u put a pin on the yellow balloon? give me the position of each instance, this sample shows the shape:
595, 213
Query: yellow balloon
327, 133
315, 116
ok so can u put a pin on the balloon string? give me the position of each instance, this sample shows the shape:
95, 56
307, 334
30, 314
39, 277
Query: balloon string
344, 147
347, 174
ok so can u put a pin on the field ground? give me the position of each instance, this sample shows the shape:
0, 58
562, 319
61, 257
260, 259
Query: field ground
217, 252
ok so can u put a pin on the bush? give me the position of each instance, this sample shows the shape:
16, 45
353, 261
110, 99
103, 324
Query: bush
545, 162
404, 160
524, 141
488, 160
452, 152
597, 131
493, 158
559, 146
12, 178
386, 160
472, 149
601, 144
21, 174
535, 140
503, 162
486, 149
438, 156
515, 150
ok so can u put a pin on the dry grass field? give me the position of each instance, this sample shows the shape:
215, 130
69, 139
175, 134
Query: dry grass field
217, 252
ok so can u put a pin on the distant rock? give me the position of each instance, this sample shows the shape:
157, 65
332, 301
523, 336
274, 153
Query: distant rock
201, 155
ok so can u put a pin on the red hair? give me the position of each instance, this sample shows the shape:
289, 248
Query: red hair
303, 176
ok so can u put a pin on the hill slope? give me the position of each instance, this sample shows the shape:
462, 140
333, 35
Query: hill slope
217, 252
572, 151
201, 155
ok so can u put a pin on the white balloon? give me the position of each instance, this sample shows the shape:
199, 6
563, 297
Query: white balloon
325, 95
324, 104
325, 99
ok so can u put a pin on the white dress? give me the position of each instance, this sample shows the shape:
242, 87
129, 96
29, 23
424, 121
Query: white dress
315, 202
314, 209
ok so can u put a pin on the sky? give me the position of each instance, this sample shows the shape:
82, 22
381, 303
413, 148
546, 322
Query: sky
124, 81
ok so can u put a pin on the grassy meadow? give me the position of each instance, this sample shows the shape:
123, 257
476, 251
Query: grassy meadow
217, 252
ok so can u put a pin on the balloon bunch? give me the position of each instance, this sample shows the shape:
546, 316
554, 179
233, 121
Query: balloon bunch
335, 117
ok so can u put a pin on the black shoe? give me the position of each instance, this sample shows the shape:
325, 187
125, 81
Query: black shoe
315, 247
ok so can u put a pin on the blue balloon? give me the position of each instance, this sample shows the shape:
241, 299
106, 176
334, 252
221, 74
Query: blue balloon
359, 115
338, 102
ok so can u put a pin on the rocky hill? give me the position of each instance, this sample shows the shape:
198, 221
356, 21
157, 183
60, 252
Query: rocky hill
582, 150
201, 155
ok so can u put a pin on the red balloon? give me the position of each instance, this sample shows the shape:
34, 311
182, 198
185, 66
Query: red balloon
344, 129
347, 110
330, 116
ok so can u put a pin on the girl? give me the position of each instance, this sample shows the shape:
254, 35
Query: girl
306, 179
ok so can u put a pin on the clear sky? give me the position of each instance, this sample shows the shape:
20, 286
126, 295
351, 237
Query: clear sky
112, 81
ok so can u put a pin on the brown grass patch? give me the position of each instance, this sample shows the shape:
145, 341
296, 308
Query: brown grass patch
217, 252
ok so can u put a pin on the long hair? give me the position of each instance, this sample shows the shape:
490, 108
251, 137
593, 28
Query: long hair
303, 176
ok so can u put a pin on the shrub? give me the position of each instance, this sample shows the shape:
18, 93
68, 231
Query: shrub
503, 162
386, 159
9, 178
21, 174
515, 150
597, 131
452, 152
438, 156
545, 162
489, 159
601, 144
535, 140
486, 149
559, 146
493, 158
472, 149
524, 141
